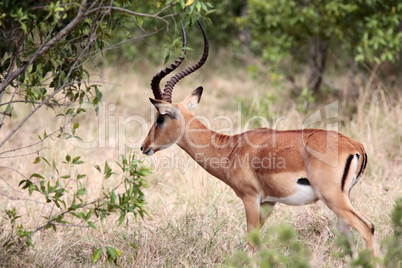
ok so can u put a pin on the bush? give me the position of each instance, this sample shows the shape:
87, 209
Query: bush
73, 206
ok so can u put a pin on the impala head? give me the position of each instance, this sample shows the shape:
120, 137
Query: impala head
170, 118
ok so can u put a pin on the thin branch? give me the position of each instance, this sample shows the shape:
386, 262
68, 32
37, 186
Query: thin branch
81, 14
155, 15
74, 66
165, 8
4, 115
8, 106
50, 222
22, 122
71, 225
21, 155
10, 186
22, 199
96, 53
36, 143
139, 25
12, 65
46, 46
27, 117
15, 171
19, 101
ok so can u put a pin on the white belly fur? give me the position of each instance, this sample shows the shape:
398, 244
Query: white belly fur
304, 195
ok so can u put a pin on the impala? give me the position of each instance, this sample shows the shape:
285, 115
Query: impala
263, 166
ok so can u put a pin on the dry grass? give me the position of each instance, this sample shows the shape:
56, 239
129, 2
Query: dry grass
196, 220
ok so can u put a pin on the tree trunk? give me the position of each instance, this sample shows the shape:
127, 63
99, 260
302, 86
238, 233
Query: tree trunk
317, 61
245, 33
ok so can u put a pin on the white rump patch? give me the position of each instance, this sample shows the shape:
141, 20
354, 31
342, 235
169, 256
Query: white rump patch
305, 195
355, 162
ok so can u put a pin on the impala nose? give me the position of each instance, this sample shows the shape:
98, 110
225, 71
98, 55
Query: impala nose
142, 147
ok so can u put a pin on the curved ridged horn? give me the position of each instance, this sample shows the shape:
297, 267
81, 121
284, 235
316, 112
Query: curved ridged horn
167, 93
156, 80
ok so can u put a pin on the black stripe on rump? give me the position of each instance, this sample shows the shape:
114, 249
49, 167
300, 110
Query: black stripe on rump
365, 161
303, 181
363, 165
345, 172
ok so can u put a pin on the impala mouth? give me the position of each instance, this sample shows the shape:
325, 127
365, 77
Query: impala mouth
149, 151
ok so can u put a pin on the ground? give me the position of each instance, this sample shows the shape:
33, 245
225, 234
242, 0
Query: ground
194, 219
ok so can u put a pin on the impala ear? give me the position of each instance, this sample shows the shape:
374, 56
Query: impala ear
164, 107
193, 99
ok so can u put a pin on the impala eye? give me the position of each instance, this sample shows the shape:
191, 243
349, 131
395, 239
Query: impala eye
160, 120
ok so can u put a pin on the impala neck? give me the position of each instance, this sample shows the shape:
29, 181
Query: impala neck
208, 148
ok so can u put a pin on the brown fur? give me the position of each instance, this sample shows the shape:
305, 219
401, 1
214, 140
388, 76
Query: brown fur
245, 162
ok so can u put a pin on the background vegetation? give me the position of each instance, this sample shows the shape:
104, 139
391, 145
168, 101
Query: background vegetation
75, 71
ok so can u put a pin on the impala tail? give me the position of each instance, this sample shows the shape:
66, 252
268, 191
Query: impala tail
355, 163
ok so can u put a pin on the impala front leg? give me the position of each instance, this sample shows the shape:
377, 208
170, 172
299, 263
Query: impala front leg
252, 207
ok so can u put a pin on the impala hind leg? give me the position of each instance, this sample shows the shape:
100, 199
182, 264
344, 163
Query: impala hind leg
340, 204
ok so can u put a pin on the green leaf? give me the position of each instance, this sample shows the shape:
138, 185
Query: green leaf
111, 252
121, 218
32, 187
81, 215
107, 168
77, 160
24, 27
113, 196
80, 110
96, 255
98, 168
81, 191
107, 171
36, 175
80, 176
47, 162
77, 137
68, 158
70, 111
98, 94
37, 160
91, 224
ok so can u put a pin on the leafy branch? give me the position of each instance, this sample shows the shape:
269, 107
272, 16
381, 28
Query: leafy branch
126, 200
